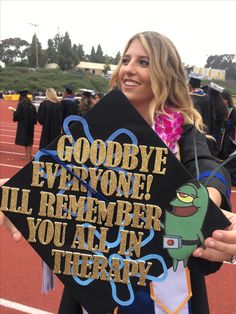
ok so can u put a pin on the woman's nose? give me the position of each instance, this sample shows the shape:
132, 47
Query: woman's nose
131, 67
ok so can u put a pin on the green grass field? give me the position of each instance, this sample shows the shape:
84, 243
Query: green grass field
20, 78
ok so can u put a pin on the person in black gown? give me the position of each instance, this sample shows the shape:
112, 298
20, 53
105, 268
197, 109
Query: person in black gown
26, 117
70, 105
200, 99
50, 117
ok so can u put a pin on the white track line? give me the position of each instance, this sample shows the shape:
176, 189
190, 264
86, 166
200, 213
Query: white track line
11, 166
11, 153
7, 128
7, 135
22, 307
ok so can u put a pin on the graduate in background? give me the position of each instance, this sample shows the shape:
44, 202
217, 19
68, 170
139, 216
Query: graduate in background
200, 99
228, 143
50, 117
70, 105
26, 117
219, 115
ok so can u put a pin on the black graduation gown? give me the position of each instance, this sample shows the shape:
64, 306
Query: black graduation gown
230, 129
203, 106
26, 117
199, 267
50, 117
230, 124
70, 106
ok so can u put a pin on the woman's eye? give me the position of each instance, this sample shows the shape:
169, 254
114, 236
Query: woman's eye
144, 62
125, 61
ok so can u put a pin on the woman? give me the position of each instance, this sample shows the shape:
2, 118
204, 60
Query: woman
26, 117
50, 117
229, 127
85, 103
219, 114
228, 145
152, 77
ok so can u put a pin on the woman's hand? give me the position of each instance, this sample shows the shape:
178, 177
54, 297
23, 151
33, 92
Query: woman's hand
4, 221
222, 244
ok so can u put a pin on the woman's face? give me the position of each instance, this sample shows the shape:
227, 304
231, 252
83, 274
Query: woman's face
134, 75
226, 102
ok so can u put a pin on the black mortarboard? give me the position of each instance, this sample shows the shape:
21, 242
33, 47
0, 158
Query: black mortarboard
23, 92
195, 79
94, 205
68, 88
87, 94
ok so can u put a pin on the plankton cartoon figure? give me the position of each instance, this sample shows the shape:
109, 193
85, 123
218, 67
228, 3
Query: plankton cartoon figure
183, 224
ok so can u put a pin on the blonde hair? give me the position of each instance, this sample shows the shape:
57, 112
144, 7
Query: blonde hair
167, 75
51, 95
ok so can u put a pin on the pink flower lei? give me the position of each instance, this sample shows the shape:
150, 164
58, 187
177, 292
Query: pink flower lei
169, 127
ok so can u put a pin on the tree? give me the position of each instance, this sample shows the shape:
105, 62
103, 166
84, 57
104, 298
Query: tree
117, 58
12, 50
92, 57
106, 68
75, 55
225, 62
107, 59
80, 52
53, 48
66, 57
57, 41
52, 54
35, 54
99, 55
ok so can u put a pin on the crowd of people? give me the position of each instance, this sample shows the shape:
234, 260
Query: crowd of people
51, 114
151, 75
215, 104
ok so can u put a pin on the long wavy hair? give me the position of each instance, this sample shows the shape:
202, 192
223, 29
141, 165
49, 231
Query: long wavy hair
218, 104
51, 95
167, 75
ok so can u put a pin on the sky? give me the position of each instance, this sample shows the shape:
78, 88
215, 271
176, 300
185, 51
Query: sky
197, 28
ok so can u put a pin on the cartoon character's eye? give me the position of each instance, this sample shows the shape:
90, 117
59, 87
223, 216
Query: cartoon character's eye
184, 197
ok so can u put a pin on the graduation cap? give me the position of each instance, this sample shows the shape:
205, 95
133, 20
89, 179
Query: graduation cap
96, 203
216, 87
23, 92
68, 88
195, 79
89, 94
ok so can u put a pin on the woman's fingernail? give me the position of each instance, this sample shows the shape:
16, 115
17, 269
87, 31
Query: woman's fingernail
218, 235
199, 254
211, 243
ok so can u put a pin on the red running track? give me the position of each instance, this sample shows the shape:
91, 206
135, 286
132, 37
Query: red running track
20, 266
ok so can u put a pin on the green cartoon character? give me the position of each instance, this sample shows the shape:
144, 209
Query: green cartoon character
183, 224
